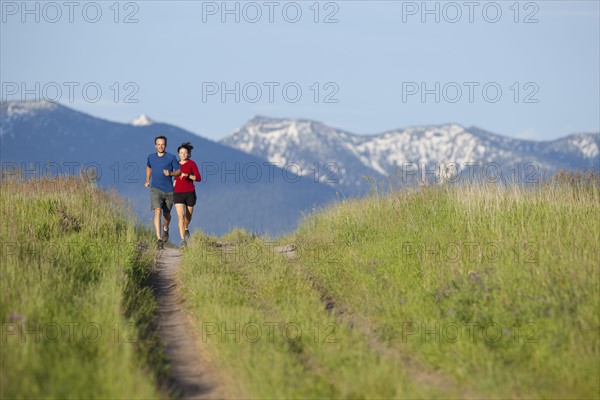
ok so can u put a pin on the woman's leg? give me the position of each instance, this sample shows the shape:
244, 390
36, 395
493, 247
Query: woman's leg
189, 210
181, 217
188, 216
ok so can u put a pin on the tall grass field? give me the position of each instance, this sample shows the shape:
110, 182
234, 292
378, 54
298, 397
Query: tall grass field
73, 306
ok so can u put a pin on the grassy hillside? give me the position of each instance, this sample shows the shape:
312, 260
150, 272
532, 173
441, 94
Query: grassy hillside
447, 291
73, 305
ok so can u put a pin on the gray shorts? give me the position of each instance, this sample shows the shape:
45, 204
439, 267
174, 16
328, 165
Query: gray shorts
160, 199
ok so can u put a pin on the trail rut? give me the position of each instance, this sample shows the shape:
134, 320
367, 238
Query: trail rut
190, 377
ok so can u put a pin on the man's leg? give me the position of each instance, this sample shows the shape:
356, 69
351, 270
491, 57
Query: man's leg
157, 222
156, 204
165, 229
167, 220
167, 205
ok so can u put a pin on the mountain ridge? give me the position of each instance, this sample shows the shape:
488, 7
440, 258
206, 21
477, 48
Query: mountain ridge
307, 142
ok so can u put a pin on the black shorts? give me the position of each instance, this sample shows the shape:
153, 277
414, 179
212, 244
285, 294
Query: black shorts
187, 198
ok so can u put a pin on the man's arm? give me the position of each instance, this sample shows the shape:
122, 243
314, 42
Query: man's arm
176, 168
148, 173
174, 173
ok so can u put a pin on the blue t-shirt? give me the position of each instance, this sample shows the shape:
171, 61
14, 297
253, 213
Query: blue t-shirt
158, 179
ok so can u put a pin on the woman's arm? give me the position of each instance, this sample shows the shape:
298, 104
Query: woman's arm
196, 173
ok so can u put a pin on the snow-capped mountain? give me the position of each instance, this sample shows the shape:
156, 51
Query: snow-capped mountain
14, 110
342, 159
142, 120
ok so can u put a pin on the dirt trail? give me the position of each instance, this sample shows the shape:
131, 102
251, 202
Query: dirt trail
190, 375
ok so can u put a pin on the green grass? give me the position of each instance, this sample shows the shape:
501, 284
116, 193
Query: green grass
75, 312
370, 305
267, 327
514, 270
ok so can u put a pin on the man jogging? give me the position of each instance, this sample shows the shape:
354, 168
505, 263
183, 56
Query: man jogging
161, 166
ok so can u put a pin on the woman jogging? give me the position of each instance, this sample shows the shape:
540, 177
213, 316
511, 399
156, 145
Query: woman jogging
184, 193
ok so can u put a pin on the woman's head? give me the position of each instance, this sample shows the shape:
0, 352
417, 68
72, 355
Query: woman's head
185, 150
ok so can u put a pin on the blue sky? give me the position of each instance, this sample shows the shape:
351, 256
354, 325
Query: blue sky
373, 60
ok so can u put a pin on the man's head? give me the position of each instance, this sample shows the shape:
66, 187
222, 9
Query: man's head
160, 142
